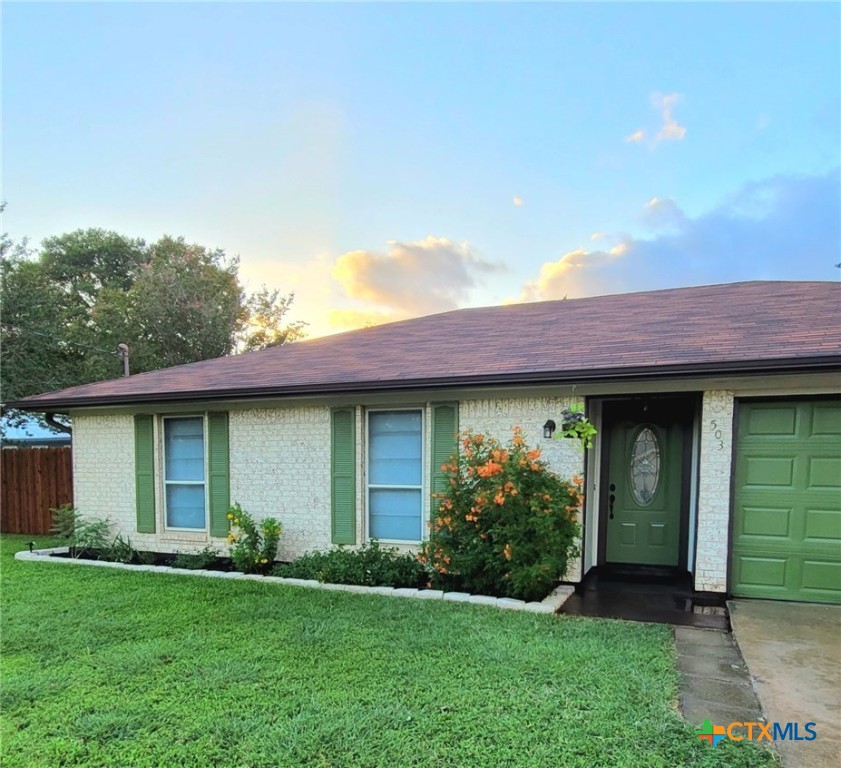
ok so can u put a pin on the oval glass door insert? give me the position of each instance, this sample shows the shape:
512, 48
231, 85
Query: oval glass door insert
645, 466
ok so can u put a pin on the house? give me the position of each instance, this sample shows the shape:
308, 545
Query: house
717, 408
30, 434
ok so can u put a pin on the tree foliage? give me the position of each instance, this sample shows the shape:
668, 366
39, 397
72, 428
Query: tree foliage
67, 307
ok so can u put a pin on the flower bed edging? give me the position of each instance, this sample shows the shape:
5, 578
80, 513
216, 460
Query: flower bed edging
550, 604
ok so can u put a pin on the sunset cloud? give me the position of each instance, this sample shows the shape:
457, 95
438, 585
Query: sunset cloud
413, 278
567, 277
782, 228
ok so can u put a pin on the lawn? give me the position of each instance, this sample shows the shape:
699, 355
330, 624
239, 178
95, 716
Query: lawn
107, 668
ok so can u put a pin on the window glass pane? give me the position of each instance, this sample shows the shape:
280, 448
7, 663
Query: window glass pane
645, 466
394, 448
184, 448
395, 514
185, 506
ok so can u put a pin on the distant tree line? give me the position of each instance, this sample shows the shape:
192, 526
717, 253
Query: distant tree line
66, 307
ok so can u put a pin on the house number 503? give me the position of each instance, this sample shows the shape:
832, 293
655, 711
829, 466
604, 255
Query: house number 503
717, 434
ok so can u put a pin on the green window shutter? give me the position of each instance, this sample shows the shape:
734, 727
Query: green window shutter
219, 476
444, 445
343, 476
144, 473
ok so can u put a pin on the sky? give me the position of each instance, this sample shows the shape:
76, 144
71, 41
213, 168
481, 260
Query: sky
389, 160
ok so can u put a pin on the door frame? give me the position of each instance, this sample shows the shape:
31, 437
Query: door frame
612, 410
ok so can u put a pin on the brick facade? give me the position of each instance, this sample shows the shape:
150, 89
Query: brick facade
714, 491
280, 467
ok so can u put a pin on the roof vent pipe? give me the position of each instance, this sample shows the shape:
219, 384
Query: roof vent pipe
122, 351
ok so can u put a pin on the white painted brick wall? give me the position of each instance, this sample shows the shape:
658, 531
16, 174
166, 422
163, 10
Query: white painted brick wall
714, 491
497, 418
280, 467
103, 473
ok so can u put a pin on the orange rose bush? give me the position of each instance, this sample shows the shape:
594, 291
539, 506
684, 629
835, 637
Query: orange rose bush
506, 525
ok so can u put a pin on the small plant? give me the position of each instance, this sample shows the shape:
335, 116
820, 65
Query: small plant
196, 561
79, 533
147, 558
121, 550
369, 566
253, 546
575, 424
65, 518
507, 525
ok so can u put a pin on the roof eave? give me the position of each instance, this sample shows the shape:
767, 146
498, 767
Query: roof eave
583, 376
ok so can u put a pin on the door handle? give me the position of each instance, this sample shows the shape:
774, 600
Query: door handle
611, 499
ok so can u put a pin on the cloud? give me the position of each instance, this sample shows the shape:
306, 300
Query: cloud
414, 278
598, 235
782, 228
662, 213
566, 277
518, 201
670, 130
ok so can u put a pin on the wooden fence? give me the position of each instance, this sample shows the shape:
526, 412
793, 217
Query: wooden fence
33, 481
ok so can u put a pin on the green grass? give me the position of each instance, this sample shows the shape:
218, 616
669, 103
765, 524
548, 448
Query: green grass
107, 668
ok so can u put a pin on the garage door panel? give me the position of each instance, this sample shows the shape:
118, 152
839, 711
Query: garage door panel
787, 501
761, 570
768, 471
823, 526
825, 473
826, 420
780, 421
823, 575
766, 522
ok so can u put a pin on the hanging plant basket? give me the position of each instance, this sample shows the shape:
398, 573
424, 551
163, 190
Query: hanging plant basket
574, 424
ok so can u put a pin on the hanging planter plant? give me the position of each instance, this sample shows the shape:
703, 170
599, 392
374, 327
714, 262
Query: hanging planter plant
576, 425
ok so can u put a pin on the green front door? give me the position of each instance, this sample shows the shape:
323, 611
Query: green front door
645, 488
787, 501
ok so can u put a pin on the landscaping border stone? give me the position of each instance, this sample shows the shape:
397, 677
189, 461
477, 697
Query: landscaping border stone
550, 604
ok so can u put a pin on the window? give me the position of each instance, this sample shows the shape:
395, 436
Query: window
184, 473
395, 475
645, 466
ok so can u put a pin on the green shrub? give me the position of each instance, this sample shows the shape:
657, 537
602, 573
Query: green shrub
253, 546
196, 561
507, 525
79, 533
120, 550
371, 565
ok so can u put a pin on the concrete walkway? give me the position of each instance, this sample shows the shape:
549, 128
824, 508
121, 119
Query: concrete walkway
714, 680
793, 653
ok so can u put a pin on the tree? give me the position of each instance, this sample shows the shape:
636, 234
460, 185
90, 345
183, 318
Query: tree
65, 310
263, 326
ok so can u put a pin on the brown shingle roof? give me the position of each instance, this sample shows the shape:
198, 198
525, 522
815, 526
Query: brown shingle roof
755, 326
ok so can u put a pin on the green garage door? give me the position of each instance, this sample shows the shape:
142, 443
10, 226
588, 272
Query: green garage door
787, 515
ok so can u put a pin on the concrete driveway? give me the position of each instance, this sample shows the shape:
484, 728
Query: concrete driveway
793, 653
